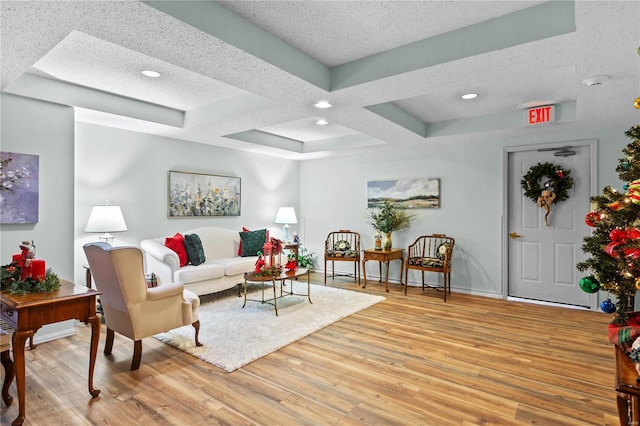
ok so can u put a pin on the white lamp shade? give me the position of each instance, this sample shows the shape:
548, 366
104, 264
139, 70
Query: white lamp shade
106, 219
286, 215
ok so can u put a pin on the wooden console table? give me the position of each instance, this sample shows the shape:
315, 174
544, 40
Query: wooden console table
383, 256
27, 313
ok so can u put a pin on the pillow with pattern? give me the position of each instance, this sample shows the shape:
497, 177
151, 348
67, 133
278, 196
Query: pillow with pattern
252, 242
342, 245
441, 253
246, 230
195, 252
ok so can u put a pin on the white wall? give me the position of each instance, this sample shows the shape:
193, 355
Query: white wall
333, 196
130, 170
46, 130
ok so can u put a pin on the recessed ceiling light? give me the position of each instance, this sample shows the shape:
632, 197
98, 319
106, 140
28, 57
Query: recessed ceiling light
150, 73
469, 96
595, 80
322, 122
323, 104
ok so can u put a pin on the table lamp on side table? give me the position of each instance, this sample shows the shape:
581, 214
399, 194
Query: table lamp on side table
106, 219
286, 215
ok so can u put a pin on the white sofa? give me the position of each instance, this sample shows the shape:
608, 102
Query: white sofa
222, 269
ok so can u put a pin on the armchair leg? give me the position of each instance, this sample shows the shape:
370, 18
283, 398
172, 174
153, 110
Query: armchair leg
325, 272
137, 355
9, 374
108, 344
196, 326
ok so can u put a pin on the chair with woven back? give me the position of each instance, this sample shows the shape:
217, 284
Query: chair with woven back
431, 253
342, 246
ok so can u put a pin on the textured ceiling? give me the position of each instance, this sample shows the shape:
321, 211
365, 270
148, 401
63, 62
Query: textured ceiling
245, 74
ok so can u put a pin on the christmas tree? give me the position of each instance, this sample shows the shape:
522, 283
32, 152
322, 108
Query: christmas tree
614, 245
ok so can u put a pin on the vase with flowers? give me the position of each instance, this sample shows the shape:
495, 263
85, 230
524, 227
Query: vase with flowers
388, 218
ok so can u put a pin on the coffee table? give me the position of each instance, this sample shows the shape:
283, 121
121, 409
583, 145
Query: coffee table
274, 279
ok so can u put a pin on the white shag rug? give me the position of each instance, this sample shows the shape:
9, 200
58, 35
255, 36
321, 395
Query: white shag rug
233, 336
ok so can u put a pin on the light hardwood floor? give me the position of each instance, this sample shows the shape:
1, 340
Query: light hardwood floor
410, 360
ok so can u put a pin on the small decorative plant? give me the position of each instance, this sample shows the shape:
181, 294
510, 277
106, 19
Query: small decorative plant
305, 260
389, 218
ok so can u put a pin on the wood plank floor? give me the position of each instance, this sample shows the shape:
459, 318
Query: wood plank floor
410, 360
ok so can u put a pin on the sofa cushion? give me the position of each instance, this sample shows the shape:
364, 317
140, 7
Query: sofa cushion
195, 252
237, 265
443, 248
252, 242
247, 230
205, 271
176, 243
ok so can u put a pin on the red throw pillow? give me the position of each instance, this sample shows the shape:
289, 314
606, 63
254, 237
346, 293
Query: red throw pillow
176, 243
246, 230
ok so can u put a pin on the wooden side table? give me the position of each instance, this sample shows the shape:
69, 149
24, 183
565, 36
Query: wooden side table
383, 256
26, 314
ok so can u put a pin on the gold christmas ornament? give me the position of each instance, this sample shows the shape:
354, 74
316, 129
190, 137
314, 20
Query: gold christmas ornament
638, 283
636, 103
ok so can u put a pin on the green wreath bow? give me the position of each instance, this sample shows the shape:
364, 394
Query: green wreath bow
560, 180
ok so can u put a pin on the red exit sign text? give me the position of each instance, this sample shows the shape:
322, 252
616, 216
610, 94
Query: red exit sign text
540, 115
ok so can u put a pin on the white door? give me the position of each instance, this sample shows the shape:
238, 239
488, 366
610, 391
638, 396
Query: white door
541, 258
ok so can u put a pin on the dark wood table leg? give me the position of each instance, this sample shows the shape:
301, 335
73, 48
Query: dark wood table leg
386, 282
364, 271
95, 337
9, 375
19, 338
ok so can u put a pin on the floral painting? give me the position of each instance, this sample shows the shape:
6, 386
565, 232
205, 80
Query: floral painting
198, 194
414, 193
19, 175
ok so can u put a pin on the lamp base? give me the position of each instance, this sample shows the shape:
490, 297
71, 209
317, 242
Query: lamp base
285, 230
107, 238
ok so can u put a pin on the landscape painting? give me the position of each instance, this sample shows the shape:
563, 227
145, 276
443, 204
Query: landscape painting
415, 193
199, 194
19, 174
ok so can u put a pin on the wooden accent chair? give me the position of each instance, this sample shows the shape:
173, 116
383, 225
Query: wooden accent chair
7, 363
431, 253
130, 307
342, 246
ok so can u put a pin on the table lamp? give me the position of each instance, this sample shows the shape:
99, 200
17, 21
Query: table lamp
286, 215
106, 219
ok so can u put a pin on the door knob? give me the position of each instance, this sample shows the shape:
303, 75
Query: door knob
515, 235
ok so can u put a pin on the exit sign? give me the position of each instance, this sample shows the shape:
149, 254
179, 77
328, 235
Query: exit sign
540, 115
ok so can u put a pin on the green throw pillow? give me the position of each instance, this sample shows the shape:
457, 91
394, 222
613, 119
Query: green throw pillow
252, 242
195, 252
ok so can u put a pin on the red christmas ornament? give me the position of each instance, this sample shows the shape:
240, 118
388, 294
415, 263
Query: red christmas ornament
560, 173
592, 218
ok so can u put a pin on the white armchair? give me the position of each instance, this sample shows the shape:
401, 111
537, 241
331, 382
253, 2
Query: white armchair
130, 307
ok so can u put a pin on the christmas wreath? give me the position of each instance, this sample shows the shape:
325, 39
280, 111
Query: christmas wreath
560, 182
